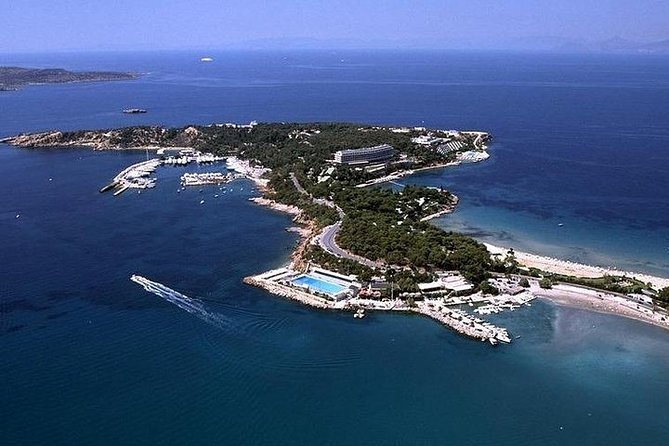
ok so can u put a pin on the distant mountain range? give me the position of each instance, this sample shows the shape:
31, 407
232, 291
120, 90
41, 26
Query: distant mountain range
619, 44
613, 45
533, 43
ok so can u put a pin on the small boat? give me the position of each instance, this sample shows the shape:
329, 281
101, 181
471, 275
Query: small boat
201, 201
133, 111
560, 224
206, 59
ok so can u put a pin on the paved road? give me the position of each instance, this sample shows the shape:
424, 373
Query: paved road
297, 184
326, 240
321, 201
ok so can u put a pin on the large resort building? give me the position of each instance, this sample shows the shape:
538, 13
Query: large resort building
365, 155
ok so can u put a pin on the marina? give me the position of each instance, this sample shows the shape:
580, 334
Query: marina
202, 179
139, 175
136, 176
325, 289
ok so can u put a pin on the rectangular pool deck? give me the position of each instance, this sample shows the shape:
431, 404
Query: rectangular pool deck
314, 283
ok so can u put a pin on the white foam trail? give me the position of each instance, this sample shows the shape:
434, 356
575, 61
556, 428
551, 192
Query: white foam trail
193, 306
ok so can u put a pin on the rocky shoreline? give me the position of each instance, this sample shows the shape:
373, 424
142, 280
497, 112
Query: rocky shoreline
455, 320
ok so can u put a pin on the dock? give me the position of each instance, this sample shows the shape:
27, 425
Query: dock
120, 190
110, 186
464, 323
137, 175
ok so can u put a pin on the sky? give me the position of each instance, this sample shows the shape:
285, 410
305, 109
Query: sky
67, 25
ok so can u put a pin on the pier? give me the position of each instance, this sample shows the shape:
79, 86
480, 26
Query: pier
136, 176
462, 322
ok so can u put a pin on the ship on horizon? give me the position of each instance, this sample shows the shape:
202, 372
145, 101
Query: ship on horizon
133, 111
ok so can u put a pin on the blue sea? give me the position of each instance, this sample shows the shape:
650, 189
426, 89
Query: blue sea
89, 357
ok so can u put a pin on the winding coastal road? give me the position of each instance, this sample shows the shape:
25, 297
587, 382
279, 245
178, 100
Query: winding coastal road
327, 238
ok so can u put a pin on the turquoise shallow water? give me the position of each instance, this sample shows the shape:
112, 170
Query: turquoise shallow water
89, 357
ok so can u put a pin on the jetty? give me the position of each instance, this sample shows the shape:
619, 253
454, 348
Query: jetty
463, 323
136, 176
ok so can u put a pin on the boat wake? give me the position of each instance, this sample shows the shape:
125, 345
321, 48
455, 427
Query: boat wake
277, 356
193, 306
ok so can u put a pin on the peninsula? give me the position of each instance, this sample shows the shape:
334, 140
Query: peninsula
13, 78
367, 247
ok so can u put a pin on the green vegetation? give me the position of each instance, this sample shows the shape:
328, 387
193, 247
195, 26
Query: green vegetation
380, 224
524, 283
15, 77
616, 284
508, 265
663, 297
344, 266
383, 225
546, 283
406, 280
487, 288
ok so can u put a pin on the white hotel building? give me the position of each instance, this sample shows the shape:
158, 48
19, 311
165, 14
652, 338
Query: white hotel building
365, 155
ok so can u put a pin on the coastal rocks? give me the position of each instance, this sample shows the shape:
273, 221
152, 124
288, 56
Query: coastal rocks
96, 140
288, 209
288, 292
454, 202
124, 138
36, 139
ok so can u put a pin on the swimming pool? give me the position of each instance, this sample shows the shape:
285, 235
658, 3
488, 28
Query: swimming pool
319, 285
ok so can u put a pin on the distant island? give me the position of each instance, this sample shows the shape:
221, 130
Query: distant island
366, 247
13, 78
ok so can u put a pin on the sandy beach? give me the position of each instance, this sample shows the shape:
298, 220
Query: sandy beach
590, 299
601, 302
568, 268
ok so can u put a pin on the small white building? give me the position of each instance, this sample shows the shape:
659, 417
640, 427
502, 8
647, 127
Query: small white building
446, 281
